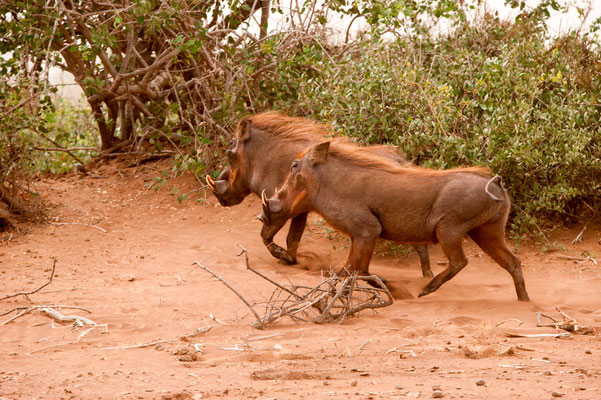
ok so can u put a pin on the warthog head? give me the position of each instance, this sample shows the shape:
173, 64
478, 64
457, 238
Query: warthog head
231, 187
292, 198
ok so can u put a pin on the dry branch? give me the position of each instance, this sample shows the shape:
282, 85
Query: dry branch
27, 310
36, 290
80, 223
332, 300
568, 324
259, 324
59, 317
198, 331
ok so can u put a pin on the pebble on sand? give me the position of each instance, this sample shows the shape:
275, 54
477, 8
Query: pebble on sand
480, 382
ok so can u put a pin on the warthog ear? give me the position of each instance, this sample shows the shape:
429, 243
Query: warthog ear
244, 130
319, 153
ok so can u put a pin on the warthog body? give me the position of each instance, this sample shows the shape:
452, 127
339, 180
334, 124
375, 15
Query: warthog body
368, 197
259, 159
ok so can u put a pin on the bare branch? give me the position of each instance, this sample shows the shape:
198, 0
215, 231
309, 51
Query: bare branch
36, 290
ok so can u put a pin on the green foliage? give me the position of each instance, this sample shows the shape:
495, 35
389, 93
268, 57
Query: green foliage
68, 126
505, 95
497, 94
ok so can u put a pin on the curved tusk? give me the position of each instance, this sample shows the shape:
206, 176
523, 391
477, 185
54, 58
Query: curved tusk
210, 181
264, 200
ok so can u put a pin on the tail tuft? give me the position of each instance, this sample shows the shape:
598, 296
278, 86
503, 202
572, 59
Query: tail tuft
494, 179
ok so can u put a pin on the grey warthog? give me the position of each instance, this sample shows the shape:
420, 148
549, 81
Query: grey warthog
259, 159
368, 197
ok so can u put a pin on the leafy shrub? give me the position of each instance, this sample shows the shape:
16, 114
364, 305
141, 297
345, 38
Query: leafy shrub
495, 93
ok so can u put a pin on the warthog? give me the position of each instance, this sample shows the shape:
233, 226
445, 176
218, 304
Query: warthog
367, 197
259, 159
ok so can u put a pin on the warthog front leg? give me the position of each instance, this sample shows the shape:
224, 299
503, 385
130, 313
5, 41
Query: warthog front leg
267, 234
424, 257
295, 233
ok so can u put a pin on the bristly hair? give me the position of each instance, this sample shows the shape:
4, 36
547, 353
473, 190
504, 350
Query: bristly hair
285, 127
363, 157
299, 129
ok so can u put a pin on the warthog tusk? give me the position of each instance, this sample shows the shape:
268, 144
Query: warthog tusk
264, 200
210, 181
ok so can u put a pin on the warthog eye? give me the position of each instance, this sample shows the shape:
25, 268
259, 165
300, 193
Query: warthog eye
294, 165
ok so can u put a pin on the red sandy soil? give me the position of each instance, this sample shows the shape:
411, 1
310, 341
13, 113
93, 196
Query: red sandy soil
138, 279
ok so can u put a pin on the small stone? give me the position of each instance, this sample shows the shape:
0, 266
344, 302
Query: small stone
588, 351
188, 358
354, 382
435, 387
437, 394
556, 394
547, 373
480, 382
131, 278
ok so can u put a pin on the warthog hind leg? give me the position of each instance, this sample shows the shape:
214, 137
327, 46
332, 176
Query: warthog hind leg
453, 249
491, 239
424, 258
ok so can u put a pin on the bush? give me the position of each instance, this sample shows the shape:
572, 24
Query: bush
496, 94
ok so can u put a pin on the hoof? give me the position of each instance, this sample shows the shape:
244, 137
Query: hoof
428, 274
423, 293
287, 258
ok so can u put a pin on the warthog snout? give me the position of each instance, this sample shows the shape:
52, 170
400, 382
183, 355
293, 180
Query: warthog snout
273, 205
219, 187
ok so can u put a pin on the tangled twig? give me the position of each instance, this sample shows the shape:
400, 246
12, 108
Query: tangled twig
568, 323
26, 294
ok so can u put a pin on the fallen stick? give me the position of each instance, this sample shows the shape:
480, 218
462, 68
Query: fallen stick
36, 290
245, 252
59, 317
363, 344
343, 288
23, 312
59, 290
47, 305
198, 331
510, 319
272, 336
574, 258
51, 346
80, 223
538, 335
566, 316
260, 324
578, 238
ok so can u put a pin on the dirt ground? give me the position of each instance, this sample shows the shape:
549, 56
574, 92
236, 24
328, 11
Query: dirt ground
138, 279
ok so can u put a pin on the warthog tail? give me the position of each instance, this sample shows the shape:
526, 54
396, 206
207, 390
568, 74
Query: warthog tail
492, 196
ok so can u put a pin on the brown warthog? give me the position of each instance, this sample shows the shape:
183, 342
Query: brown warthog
259, 159
368, 197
